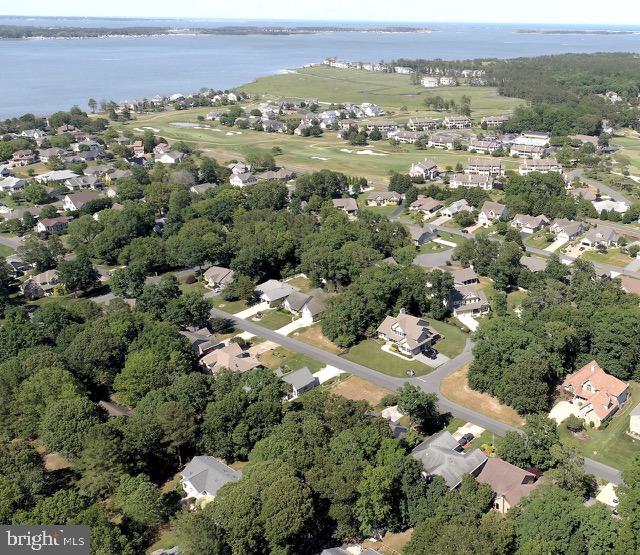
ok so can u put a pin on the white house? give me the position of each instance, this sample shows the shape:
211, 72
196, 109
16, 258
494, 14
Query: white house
529, 224
430, 82
171, 157
410, 335
601, 236
427, 169
491, 167
458, 206
11, 184
567, 229
204, 476
545, 165
304, 305
456, 122
471, 181
492, 212
243, 179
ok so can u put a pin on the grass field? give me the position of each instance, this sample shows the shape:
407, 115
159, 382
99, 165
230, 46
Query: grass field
288, 360
368, 353
313, 336
274, 319
232, 307
612, 256
391, 91
629, 155
610, 445
6, 251
359, 389
453, 340
456, 388
299, 153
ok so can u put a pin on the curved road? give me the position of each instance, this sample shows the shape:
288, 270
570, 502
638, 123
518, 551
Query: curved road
430, 383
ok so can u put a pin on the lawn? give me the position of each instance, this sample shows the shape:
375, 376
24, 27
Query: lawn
432, 247
515, 299
288, 360
359, 389
391, 91
610, 445
629, 155
456, 388
232, 307
274, 319
537, 240
612, 256
313, 336
301, 282
453, 339
368, 353
6, 251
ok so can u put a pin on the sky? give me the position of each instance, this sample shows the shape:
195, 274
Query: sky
616, 12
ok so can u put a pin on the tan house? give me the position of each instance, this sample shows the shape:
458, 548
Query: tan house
488, 167
508, 482
529, 224
492, 212
231, 357
409, 334
384, 198
469, 299
217, 277
426, 205
545, 165
598, 394
421, 234
600, 237
471, 181
567, 229
40, 285
347, 205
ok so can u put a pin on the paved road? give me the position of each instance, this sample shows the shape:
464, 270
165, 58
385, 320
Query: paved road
603, 187
430, 383
11, 242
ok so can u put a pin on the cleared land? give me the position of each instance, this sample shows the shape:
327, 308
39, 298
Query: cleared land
392, 91
456, 388
629, 155
288, 360
313, 336
274, 319
610, 445
358, 389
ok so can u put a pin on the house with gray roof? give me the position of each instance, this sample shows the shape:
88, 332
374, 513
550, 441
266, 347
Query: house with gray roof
274, 291
529, 224
465, 276
348, 205
204, 476
421, 234
427, 170
441, 455
492, 212
383, 198
469, 299
410, 335
567, 229
300, 382
304, 305
218, 277
600, 237
202, 188
456, 207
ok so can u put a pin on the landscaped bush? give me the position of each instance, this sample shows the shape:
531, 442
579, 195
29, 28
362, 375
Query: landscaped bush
389, 400
190, 279
574, 424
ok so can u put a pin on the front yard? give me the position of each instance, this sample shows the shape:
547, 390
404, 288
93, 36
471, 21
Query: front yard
613, 257
288, 360
539, 240
453, 339
609, 445
232, 307
273, 319
368, 353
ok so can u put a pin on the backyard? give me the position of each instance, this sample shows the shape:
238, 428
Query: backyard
539, 240
453, 339
610, 445
368, 353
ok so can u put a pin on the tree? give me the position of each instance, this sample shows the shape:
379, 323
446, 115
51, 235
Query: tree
260, 160
92, 105
513, 449
568, 472
36, 193
189, 310
542, 434
178, 422
83, 231
140, 500
78, 274
421, 407
198, 533
241, 287
127, 282
66, 423
101, 461
43, 254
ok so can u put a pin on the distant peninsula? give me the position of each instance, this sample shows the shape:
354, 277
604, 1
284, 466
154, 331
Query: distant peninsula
36, 32
576, 32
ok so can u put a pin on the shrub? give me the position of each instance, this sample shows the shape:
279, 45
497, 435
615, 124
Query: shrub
389, 400
574, 424
190, 279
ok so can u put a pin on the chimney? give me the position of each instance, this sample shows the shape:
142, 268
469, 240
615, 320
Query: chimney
593, 366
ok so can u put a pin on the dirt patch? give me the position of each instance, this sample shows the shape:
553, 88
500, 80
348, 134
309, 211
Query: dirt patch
313, 336
274, 358
239, 465
54, 461
391, 544
582, 436
170, 485
456, 388
357, 389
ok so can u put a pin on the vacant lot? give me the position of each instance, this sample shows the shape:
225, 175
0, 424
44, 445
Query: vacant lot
288, 360
389, 90
629, 155
368, 353
313, 336
610, 445
456, 388
358, 389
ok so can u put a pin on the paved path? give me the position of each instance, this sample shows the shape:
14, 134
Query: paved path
430, 383
433, 259
11, 242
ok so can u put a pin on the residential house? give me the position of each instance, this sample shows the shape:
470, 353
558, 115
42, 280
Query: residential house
112, 177
421, 234
410, 335
274, 292
47, 154
53, 225
441, 455
529, 224
471, 181
243, 179
533, 138
300, 382
427, 170
442, 140
304, 305
598, 394
408, 137
610, 205
171, 157
426, 205
202, 188
384, 198
231, 357
76, 201
546, 165
161, 148
11, 184
204, 476
422, 124
469, 299
494, 121
492, 212
5, 170
239, 167
600, 237
384, 126
446, 81
282, 174
138, 148
567, 229
456, 122
55, 176
202, 341
527, 151
348, 205
430, 82
488, 167
465, 277
22, 158
484, 146
533, 263
218, 277
509, 483
587, 193
40, 285
455, 207
634, 420
83, 182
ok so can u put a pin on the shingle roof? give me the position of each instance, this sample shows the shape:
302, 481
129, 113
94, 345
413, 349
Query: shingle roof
207, 474
300, 378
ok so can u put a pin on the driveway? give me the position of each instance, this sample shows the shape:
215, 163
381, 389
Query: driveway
433, 362
253, 310
553, 247
469, 321
303, 322
440, 220
633, 266
563, 410
327, 373
433, 259
445, 242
